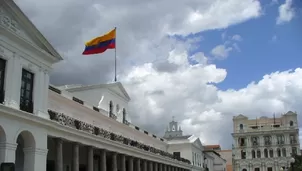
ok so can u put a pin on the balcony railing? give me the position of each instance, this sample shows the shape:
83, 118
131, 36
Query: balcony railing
2, 94
293, 141
27, 106
267, 129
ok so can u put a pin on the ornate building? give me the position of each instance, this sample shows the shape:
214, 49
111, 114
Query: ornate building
185, 146
79, 128
265, 144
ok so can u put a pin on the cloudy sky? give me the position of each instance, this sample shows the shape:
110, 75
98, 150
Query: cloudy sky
202, 61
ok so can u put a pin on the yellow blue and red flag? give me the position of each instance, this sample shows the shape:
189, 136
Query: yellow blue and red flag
100, 44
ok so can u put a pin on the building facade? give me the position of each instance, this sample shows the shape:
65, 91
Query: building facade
43, 128
227, 155
219, 162
265, 144
185, 146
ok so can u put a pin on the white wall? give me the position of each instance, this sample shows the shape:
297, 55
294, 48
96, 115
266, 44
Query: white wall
188, 151
17, 59
73, 109
94, 96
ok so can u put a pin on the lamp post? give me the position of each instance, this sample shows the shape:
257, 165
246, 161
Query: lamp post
292, 161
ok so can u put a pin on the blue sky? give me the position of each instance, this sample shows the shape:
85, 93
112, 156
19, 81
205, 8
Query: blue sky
259, 53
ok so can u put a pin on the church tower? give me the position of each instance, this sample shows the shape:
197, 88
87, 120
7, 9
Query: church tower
173, 130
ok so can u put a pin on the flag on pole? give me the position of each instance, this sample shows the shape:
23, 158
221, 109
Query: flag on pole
100, 44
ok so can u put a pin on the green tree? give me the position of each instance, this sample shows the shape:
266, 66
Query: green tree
298, 163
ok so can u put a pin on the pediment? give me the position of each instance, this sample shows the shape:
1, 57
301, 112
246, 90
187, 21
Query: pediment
115, 88
119, 89
15, 22
240, 116
198, 143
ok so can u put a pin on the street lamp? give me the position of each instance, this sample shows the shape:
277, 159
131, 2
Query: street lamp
292, 161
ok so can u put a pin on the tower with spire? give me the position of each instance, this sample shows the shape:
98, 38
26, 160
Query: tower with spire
173, 130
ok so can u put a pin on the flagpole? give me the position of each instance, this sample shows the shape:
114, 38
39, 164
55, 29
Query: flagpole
115, 79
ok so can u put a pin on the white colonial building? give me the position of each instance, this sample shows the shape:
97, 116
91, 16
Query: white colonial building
79, 128
186, 146
265, 144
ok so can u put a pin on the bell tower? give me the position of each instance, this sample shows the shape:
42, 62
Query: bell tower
173, 130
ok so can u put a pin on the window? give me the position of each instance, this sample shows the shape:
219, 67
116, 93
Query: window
253, 154
255, 141
2, 79
267, 140
26, 94
124, 115
117, 109
292, 139
257, 169
176, 155
294, 150
291, 123
279, 152
258, 154
269, 169
271, 153
265, 153
241, 142
283, 152
110, 107
280, 139
241, 127
243, 154
111, 115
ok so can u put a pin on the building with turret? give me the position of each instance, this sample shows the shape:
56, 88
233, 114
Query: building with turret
265, 144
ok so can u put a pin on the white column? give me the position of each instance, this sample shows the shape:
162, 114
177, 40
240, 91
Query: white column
145, 166
8, 152
59, 155
160, 167
90, 158
164, 167
114, 162
39, 95
45, 91
14, 83
9, 76
155, 166
150, 166
130, 163
138, 164
103, 160
35, 159
75, 160
123, 162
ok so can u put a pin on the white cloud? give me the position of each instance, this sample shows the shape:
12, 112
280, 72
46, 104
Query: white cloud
202, 108
237, 37
221, 51
286, 12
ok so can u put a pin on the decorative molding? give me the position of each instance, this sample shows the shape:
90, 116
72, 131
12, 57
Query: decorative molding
9, 23
114, 117
82, 126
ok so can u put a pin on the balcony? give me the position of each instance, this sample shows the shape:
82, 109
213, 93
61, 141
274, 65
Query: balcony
2, 96
293, 141
263, 129
27, 106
